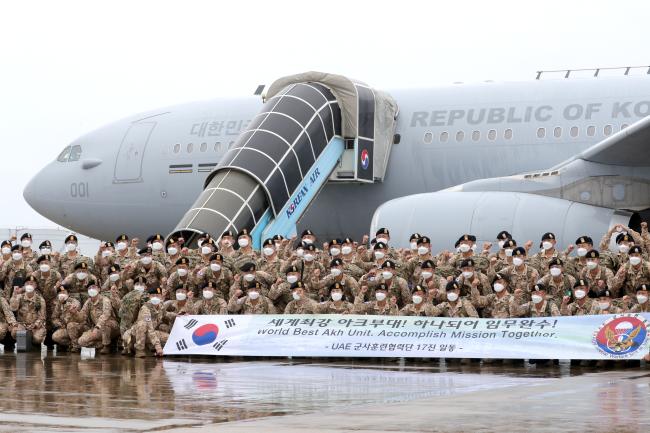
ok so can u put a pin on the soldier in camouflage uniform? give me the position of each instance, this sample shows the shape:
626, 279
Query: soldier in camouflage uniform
455, 305
301, 303
245, 253
210, 303
71, 258
540, 304
594, 273
466, 250
541, 260
227, 243
7, 319
249, 274
217, 274
335, 304
496, 305
336, 275
604, 305
575, 265
397, 286
181, 305
145, 333
157, 244
67, 327
48, 279
29, 308
521, 275
115, 280
435, 284
280, 292
557, 282
502, 260
79, 280
419, 305
380, 306
153, 272
351, 264
131, 303
471, 276
642, 305
97, 315
26, 248
632, 274
253, 303
180, 277
270, 261
125, 250
581, 305
104, 259
17, 267
311, 267
412, 267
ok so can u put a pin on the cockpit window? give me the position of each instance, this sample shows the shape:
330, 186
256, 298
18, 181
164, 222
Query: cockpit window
63, 156
75, 153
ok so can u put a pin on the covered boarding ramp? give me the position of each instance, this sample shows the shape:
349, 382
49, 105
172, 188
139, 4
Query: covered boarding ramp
313, 128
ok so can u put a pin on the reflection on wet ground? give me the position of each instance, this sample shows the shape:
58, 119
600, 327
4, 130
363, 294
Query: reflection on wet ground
113, 393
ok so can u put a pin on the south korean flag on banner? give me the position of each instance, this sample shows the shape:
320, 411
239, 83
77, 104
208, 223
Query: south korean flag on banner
200, 335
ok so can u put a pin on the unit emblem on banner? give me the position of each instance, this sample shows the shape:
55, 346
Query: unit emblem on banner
621, 336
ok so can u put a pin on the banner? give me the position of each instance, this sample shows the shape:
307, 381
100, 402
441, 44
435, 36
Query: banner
622, 336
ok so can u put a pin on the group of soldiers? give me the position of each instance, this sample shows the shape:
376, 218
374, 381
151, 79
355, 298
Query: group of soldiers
129, 295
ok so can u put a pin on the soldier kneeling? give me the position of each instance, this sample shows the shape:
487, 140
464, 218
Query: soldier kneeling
145, 333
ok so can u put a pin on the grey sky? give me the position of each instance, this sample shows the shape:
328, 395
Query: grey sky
67, 67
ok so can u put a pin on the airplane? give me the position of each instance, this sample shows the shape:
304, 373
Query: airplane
332, 154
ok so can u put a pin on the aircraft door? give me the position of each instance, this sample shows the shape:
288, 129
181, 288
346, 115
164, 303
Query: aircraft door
128, 164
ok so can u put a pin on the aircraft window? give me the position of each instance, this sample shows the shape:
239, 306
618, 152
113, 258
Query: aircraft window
476, 135
177, 148
557, 132
444, 136
623, 126
541, 132
428, 137
591, 130
75, 153
508, 134
607, 130
190, 147
492, 134
63, 156
574, 131
217, 146
204, 146
460, 135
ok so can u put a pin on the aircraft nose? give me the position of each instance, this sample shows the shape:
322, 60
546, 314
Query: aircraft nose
44, 194
31, 192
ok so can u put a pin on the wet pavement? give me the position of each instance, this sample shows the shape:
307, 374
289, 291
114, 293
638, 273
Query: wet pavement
64, 393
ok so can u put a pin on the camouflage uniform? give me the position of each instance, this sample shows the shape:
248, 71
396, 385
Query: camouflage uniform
97, 315
265, 280
175, 308
529, 309
129, 308
397, 287
462, 308
280, 294
351, 287
64, 320
7, 318
595, 309
188, 282
154, 276
331, 307
540, 260
638, 308
10, 270
272, 267
601, 273
523, 280
627, 279
68, 261
210, 306
145, 333
557, 289
423, 309
47, 285
302, 306
493, 305
240, 258
576, 308
246, 306
30, 314
374, 308
77, 287
221, 282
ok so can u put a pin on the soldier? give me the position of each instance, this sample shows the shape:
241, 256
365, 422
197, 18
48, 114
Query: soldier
311, 267
352, 265
67, 327
557, 282
419, 305
71, 258
181, 305
539, 306
250, 274
156, 242
541, 260
301, 303
181, 277
115, 281
207, 248
145, 333
29, 309
111, 291
632, 274
17, 267
625, 239
217, 274
397, 286
253, 303
270, 262
575, 265
47, 280
245, 253
581, 305
210, 304
455, 306
502, 238
79, 280
603, 303
104, 260
411, 269
153, 272
97, 315
642, 305
472, 277
125, 250
495, 305
7, 319
467, 250
174, 252
521, 275
336, 304
435, 284
130, 305
502, 259
227, 243
5, 248
280, 292
380, 306
336, 275
26, 247
594, 273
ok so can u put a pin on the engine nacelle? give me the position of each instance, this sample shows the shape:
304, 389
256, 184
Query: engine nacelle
445, 216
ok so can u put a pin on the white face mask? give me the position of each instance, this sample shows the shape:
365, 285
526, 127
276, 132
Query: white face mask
335, 251
346, 250
309, 257
44, 268
206, 250
379, 255
623, 248
121, 246
501, 244
26, 243
641, 299
253, 294
81, 275
537, 299
508, 252
308, 241
92, 292
243, 242
383, 240
29, 289
114, 277
296, 297
106, 253
387, 275
579, 294
268, 251
291, 279
546, 245
45, 251
635, 260
582, 252
181, 272
592, 265
464, 248
556, 272
468, 274
337, 296
155, 301
603, 305
452, 296
216, 267
426, 275
208, 294
139, 288
423, 250
6, 250
62, 297
156, 246
17, 257
517, 261
146, 260
172, 251
249, 277
336, 272
414, 245
380, 296
71, 247
498, 287
181, 296
300, 252
417, 299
